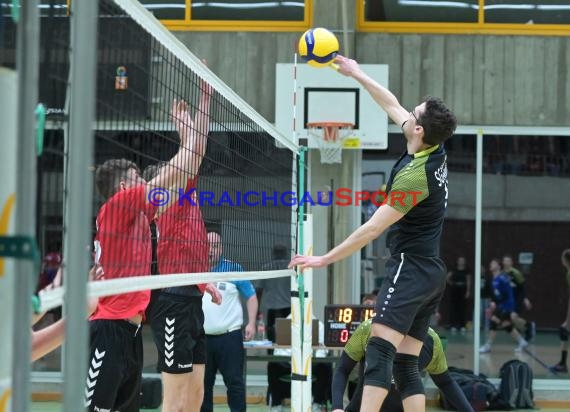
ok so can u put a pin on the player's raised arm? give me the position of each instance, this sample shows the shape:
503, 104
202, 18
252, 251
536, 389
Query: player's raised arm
193, 139
378, 223
379, 93
195, 132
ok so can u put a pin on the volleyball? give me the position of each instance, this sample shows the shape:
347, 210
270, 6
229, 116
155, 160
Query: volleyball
318, 47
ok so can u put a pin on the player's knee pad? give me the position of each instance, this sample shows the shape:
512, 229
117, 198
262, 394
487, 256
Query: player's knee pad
509, 327
407, 375
563, 332
379, 362
493, 325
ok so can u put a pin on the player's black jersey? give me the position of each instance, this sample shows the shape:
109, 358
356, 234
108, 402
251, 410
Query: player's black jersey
420, 180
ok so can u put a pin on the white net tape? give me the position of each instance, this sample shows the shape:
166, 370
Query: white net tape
330, 137
54, 298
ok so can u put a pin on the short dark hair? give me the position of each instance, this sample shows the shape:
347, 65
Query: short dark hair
152, 170
438, 121
109, 174
370, 296
280, 252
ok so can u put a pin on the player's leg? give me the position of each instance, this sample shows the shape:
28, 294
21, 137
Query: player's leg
406, 364
172, 324
407, 375
494, 324
104, 374
212, 350
129, 396
231, 368
393, 402
510, 328
322, 381
278, 389
413, 282
563, 333
199, 356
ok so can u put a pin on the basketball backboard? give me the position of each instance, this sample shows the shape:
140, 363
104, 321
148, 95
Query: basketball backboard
323, 95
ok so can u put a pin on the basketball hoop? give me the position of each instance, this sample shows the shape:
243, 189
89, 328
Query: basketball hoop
329, 137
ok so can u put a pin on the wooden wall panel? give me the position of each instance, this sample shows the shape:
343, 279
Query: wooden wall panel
487, 80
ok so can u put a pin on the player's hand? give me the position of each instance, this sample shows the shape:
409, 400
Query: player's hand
182, 119
346, 66
308, 262
96, 273
213, 291
249, 331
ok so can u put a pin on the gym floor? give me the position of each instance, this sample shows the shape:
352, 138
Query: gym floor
56, 407
544, 351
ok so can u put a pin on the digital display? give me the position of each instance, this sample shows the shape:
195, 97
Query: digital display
342, 320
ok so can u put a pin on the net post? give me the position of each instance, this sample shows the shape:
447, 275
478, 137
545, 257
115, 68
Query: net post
78, 209
302, 285
28, 70
8, 171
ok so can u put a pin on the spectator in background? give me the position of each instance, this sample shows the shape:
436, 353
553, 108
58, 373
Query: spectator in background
486, 296
521, 301
459, 284
48, 275
501, 308
562, 366
223, 326
275, 294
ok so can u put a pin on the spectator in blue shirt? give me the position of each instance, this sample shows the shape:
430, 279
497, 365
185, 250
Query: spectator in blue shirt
223, 327
500, 309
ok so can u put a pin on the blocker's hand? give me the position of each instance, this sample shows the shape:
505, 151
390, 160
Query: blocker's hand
308, 262
213, 291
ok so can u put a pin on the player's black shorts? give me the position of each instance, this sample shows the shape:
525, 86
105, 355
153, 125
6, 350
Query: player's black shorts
410, 293
115, 366
503, 316
178, 329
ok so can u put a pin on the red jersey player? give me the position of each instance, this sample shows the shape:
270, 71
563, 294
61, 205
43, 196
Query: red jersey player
123, 248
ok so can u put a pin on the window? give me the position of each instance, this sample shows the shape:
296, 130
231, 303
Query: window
166, 9
510, 17
422, 11
527, 12
232, 15
292, 10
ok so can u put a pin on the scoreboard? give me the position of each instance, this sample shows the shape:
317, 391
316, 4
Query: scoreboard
342, 320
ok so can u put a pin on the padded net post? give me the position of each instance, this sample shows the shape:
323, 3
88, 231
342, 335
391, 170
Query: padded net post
329, 137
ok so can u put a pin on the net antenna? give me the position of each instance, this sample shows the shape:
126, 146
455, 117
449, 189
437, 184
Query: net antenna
330, 137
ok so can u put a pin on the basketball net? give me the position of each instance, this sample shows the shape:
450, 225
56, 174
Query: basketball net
329, 137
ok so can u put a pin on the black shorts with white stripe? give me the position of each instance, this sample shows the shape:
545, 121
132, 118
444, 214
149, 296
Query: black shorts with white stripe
115, 366
177, 324
410, 293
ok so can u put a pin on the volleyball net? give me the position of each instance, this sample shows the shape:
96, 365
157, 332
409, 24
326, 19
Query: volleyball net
156, 101
181, 163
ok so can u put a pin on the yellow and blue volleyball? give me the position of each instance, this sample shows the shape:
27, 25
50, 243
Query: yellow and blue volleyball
318, 47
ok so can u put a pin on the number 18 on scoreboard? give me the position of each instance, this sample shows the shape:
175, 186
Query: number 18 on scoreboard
342, 320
